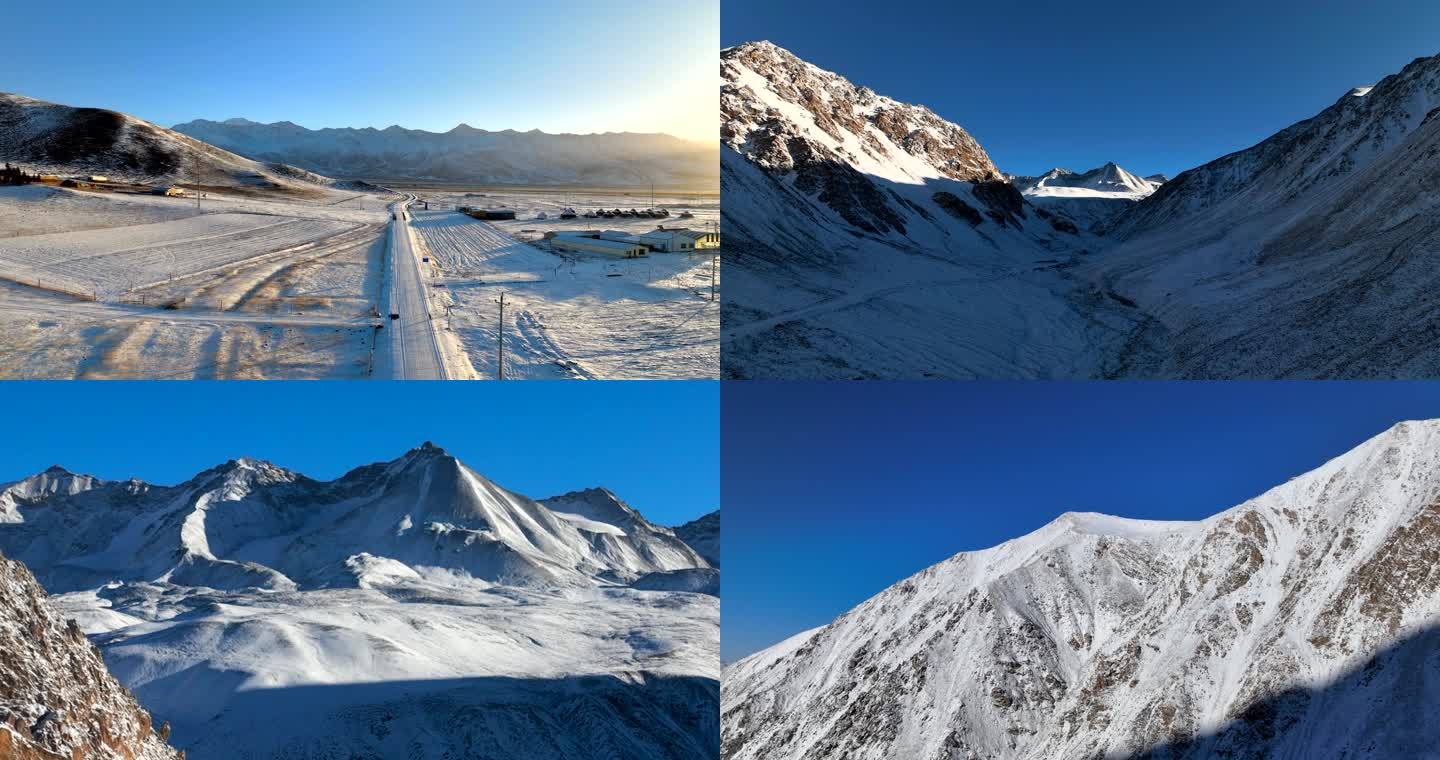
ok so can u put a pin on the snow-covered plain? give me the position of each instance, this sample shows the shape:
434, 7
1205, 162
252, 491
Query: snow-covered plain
570, 316
247, 286
111, 263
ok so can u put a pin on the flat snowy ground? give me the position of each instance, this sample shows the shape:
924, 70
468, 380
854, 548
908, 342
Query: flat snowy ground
244, 287
570, 316
371, 670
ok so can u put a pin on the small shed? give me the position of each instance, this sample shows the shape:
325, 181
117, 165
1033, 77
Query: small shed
491, 214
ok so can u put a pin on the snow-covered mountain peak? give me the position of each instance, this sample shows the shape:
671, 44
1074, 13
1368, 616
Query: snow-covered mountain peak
251, 523
55, 480
1106, 181
1262, 628
783, 113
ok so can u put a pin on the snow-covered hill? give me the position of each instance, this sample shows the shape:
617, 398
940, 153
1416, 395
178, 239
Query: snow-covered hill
394, 604
47, 138
466, 154
858, 223
1308, 255
1301, 623
57, 700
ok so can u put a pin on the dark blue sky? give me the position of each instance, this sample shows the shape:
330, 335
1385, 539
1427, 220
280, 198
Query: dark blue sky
653, 443
1153, 86
835, 491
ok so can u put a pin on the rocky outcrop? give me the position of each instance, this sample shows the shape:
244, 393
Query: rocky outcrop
57, 700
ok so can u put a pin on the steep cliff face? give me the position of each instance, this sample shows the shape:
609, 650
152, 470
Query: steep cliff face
57, 700
1299, 624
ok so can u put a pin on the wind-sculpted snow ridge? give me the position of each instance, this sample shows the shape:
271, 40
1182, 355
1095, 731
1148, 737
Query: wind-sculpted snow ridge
57, 700
410, 607
859, 224
48, 138
1298, 624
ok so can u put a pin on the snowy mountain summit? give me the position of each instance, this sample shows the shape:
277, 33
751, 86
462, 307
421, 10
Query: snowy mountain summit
782, 112
390, 602
1106, 181
1301, 623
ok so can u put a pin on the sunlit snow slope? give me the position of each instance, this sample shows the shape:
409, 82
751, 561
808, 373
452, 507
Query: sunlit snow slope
1299, 624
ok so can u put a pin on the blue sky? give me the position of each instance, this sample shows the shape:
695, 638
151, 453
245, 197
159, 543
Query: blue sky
1155, 87
653, 443
834, 492
555, 65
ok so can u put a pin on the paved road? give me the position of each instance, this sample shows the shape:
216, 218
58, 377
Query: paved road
414, 348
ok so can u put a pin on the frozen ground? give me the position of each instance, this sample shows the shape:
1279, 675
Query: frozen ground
149, 287
571, 316
260, 672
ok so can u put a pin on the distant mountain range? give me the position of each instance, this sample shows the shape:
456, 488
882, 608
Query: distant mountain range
57, 139
1299, 624
468, 155
266, 614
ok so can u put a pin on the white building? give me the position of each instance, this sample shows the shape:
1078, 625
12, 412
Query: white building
670, 241
596, 245
701, 239
620, 236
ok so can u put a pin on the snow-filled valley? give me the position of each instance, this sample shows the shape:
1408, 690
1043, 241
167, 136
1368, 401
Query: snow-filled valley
872, 239
408, 608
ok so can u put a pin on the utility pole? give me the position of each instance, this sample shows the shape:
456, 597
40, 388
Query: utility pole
500, 342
